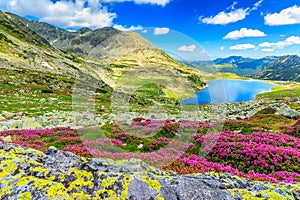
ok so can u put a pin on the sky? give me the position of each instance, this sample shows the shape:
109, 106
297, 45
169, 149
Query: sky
186, 29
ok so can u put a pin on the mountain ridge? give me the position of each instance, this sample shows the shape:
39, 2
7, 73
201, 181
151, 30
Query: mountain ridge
80, 42
283, 68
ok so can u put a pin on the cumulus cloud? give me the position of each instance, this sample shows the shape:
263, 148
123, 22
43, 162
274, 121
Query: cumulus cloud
222, 48
234, 15
281, 44
66, 14
242, 47
244, 32
131, 28
190, 48
226, 18
161, 31
286, 16
154, 2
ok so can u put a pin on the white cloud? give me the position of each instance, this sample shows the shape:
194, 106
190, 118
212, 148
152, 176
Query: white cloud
244, 32
131, 28
267, 50
226, 18
242, 47
266, 44
66, 14
190, 48
234, 15
222, 48
256, 5
161, 31
232, 5
281, 44
155, 2
286, 16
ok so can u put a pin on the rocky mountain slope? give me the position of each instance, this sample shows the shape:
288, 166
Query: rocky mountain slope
80, 42
23, 48
109, 45
33, 71
285, 68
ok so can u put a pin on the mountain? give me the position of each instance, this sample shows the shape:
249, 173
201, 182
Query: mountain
36, 77
80, 42
285, 68
104, 43
239, 65
231, 59
22, 47
51, 60
107, 45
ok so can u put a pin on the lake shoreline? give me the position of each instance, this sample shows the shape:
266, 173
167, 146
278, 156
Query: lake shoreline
230, 91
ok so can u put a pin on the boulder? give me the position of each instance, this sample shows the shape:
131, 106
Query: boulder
30, 174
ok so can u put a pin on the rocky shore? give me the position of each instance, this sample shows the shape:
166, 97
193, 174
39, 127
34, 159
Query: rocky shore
30, 174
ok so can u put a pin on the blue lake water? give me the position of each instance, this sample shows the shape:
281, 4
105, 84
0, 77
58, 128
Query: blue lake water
230, 91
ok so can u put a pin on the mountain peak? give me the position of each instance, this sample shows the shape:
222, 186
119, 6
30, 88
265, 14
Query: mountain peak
84, 30
80, 42
230, 59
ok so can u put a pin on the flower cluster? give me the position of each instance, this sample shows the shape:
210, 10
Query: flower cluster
245, 148
42, 139
261, 151
194, 164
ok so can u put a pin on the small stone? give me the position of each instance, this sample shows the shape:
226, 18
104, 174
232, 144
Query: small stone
52, 150
8, 114
279, 191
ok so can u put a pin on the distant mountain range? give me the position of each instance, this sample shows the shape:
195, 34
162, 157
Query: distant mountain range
285, 68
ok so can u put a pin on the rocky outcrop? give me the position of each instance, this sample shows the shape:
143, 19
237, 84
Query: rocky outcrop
284, 110
30, 174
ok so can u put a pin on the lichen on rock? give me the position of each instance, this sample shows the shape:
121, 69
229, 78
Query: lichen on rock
30, 174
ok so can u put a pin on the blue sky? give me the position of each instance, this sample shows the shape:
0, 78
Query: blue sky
189, 29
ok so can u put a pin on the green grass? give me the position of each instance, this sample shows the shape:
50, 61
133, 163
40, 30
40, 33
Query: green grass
36, 93
220, 66
31, 92
282, 94
273, 121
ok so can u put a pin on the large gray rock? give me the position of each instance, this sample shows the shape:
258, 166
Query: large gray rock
30, 174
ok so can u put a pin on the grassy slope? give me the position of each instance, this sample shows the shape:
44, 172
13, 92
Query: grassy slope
29, 86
